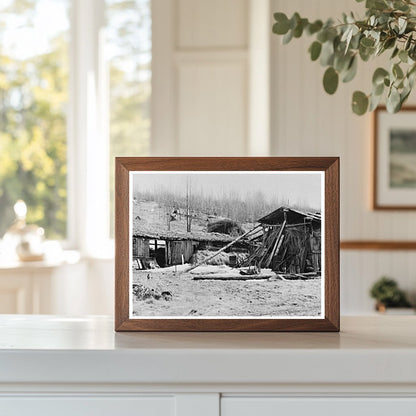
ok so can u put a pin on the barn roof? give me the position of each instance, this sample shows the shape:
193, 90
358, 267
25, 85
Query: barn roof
145, 232
293, 216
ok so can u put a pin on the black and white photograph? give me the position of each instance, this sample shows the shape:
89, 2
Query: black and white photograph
226, 244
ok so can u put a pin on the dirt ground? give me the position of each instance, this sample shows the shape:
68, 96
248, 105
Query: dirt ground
190, 297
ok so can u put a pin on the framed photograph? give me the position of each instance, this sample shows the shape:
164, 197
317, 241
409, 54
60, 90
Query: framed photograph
394, 179
227, 244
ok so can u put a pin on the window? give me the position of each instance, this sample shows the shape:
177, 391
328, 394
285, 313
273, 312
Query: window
75, 87
129, 43
33, 98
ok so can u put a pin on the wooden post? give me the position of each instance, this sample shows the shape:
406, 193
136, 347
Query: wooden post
276, 245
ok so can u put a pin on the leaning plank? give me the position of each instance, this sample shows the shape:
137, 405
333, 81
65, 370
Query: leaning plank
236, 277
221, 250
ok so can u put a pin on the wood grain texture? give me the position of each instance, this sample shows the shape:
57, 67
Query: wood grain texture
329, 165
376, 205
378, 245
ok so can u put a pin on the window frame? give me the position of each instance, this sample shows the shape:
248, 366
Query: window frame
88, 133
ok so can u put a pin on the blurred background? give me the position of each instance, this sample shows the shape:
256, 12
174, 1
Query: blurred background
83, 81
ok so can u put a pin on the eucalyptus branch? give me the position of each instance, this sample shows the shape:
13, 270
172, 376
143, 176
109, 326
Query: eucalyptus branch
389, 25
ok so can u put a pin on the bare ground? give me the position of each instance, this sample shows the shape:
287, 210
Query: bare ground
226, 298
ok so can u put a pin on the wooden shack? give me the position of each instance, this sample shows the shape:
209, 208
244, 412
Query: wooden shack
290, 242
151, 249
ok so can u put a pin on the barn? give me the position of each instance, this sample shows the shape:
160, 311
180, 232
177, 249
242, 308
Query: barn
290, 242
170, 248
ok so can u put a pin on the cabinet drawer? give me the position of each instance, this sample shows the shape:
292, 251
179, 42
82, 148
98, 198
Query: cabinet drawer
273, 406
87, 406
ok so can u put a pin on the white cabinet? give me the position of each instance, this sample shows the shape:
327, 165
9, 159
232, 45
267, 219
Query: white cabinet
79, 366
271, 406
88, 406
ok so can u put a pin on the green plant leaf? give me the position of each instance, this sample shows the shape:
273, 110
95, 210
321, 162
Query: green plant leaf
389, 43
314, 27
330, 80
408, 42
393, 101
397, 71
288, 37
315, 50
281, 27
351, 71
327, 53
374, 102
403, 56
395, 52
359, 103
379, 75
376, 4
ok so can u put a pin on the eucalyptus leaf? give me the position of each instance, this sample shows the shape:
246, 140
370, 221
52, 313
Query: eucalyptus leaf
376, 4
350, 73
395, 52
359, 103
327, 54
281, 27
374, 102
403, 56
379, 75
402, 22
314, 27
389, 43
397, 71
288, 37
408, 42
388, 24
315, 50
330, 80
378, 89
393, 101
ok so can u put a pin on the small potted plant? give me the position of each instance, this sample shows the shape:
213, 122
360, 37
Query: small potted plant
387, 294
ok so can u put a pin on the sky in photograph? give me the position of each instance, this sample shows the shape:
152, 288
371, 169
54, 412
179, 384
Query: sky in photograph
297, 188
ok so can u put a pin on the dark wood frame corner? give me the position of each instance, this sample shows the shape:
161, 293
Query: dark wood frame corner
375, 205
329, 165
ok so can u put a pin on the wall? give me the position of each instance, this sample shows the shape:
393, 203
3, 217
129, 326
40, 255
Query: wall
305, 121
202, 83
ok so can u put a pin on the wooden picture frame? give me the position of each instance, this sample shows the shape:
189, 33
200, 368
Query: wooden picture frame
132, 171
394, 184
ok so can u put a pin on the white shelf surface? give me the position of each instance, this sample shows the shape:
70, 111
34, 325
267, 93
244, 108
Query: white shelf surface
53, 349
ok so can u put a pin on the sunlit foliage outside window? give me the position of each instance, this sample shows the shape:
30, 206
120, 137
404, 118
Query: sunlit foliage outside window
34, 85
129, 46
33, 103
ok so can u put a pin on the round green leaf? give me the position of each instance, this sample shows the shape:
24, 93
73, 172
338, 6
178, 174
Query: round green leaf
314, 27
359, 103
330, 80
281, 27
315, 50
367, 42
379, 75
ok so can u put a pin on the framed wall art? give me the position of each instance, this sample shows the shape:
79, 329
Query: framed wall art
227, 244
394, 177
